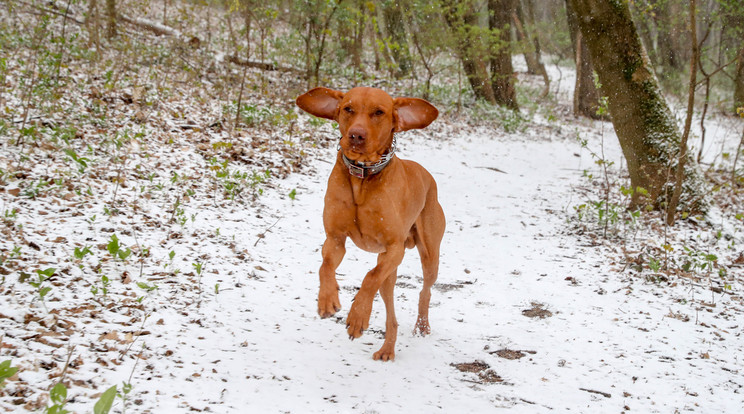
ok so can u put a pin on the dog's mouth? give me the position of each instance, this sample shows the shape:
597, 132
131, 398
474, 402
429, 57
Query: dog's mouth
361, 157
358, 152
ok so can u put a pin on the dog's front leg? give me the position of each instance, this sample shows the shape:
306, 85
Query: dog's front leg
333, 252
387, 263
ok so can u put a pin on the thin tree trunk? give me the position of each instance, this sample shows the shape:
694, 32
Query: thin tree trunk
396, 28
247, 21
643, 122
586, 95
739, 81
683, 156
530, 57
473, 64
529, 21
502, 72
111, 19
358, 44
92, 23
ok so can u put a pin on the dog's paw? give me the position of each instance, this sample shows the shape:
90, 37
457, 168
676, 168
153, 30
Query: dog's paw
328, 304
386, 353
358, 320
422, 327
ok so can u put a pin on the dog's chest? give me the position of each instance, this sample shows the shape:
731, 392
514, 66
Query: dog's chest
371, 224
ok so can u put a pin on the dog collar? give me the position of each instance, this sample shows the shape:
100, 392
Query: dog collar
364, 170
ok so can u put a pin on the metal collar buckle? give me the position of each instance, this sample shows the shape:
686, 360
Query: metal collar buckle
356, 171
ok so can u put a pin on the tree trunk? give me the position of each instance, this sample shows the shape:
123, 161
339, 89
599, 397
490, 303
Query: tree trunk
358, 44
642, 120
396, 28
739, 81
586, 96
247, 20
502, 72
643, 21
92, 23
111, 19
530, 57
670, 21
529, 20
461, 22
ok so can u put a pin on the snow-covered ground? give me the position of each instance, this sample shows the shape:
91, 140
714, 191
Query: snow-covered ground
608, 342
218, 313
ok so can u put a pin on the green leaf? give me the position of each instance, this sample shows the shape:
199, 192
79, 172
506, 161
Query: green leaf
43, 291
103, 405
58, 394
123, 254
6, 371
113, 245
49, 272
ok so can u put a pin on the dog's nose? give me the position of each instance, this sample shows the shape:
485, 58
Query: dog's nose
357, 136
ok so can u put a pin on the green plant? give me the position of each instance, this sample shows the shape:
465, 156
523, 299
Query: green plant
115, 249
80, 253
698, 261
292, 194
81, 161
41, 290
104, 403
105, 283
654, 265
147, 288
10, 215
126, 389
58, 395
6, 371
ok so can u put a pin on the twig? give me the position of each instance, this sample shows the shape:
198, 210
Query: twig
262, 235
124, 352
141, 253
604, 394
67, 363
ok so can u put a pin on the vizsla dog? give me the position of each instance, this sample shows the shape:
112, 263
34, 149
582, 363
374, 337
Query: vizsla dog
384, 204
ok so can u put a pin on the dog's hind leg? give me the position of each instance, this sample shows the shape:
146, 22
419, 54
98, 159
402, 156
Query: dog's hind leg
429, 232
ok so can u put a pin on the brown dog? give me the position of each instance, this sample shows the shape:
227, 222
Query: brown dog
382, 203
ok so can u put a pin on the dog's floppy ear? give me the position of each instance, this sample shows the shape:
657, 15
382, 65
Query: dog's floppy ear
414, 113
321, 102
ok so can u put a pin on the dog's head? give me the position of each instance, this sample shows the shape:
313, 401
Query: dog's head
367, 118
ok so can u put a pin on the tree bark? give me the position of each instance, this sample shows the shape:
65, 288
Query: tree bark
670, 22
642, 120
682, 158
111, 19
586, 96
461, 20
395, 24
530, 57
502, 72
358, 43
739, 81
92, 22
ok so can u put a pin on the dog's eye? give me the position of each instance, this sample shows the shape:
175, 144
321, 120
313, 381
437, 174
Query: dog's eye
348, 109
379, 112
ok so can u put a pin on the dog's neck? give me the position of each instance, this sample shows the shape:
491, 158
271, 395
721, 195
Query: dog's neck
363, 170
